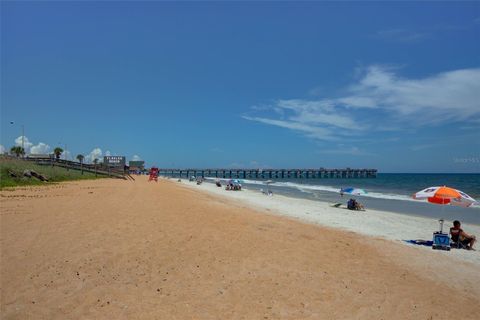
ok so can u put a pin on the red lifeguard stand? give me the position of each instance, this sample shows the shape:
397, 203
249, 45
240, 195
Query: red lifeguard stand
153, 174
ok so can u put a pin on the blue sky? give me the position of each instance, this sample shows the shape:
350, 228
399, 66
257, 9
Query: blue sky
393, 86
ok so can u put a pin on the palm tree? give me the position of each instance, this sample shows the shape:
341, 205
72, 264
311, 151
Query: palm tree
17, 150
80, 158
57, 151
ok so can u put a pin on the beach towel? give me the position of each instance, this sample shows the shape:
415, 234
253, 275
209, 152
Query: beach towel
342, 206
427, 243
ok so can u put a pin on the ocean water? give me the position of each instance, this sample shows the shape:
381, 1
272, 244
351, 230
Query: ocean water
389, 191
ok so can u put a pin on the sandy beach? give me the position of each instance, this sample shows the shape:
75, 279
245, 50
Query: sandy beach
382, 224
113, 249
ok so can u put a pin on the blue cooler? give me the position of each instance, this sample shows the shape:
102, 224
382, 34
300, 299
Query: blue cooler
441, 240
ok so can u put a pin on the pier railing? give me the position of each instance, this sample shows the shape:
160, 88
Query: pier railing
321, 173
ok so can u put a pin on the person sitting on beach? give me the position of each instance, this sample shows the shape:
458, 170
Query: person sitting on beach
351, 204
359, 206
460, 236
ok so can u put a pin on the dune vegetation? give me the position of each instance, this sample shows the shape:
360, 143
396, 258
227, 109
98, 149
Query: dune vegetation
53, 174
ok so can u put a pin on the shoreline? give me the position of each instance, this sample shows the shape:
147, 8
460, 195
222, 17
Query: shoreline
386, 201
381, 224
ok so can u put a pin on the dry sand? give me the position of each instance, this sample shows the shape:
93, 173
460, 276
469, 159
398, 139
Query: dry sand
112, 249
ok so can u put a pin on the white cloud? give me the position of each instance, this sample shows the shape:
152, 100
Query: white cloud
67, 155
354, 151
309, 130
422, 147
41, 148
443, 97
30, 148
94, 154
401, 35
316, 119
25, 142
136, 158
408, 35
2, 149
381, 100
108, 153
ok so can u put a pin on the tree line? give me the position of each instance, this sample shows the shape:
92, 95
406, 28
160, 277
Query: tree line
18, 151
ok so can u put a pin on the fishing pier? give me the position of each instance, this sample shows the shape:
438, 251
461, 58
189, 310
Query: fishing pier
320, 173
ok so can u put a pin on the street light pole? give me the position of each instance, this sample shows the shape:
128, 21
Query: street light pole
23, 137
23, 140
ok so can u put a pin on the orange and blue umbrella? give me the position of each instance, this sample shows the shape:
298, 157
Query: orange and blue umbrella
445, 195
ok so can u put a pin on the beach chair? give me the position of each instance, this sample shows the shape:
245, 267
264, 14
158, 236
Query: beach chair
457, 244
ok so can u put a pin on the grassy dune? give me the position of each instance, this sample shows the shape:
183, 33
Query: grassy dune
54, 174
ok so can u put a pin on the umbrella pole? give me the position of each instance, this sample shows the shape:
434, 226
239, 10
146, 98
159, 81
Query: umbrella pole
443, 214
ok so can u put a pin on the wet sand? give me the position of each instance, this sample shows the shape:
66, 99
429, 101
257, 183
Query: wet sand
111, 249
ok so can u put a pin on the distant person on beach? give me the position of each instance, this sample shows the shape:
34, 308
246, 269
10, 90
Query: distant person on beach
359, 206
460, 236
353, 204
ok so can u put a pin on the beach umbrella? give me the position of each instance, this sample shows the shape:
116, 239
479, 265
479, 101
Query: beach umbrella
353, 191
445, 195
